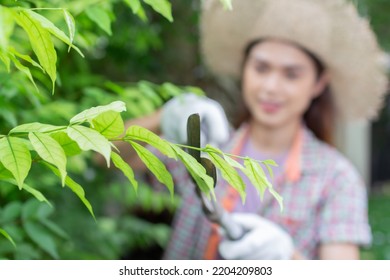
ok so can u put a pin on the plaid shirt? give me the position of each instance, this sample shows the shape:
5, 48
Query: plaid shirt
324, 201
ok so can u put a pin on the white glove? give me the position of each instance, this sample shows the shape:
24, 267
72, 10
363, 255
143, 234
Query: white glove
264, 240
214, 125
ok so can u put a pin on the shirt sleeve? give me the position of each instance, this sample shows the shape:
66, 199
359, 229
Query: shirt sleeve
343, 216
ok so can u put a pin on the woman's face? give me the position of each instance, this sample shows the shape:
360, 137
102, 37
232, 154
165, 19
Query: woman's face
279, 81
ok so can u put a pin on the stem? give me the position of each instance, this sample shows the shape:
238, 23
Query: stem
26, 133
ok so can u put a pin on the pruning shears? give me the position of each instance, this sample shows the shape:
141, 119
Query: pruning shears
212, 210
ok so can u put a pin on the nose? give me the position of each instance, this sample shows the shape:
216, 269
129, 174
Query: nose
271, 83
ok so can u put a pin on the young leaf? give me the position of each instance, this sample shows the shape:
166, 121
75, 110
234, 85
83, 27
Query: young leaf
5, 173
233, 162
23, 69
100, 17
258, 178
142, 134
277, 197
267, 164
137, 9
89, 139
15, 156
6, 60
75, 187
49, 150
69, 146
197, 171
6, 235
91, 113
227, 171
41, 43
154, 165
110, 124
6, 26
24, 57
71, 26
254, 172
227, 4
162, 7
35, 127
54, 30
125, 168
37, 194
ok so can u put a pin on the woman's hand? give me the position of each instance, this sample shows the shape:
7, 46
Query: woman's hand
214, 125
264, 240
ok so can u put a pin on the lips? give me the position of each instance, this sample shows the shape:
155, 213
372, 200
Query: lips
270, 107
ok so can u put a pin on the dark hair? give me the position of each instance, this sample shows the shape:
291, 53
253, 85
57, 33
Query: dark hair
319, 117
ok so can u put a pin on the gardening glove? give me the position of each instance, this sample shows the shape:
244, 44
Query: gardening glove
214, 125
264, 240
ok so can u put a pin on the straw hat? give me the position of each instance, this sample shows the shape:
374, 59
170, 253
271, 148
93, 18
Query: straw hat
331, 29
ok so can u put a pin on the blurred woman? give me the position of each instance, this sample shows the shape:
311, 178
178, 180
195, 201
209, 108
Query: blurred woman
301, 64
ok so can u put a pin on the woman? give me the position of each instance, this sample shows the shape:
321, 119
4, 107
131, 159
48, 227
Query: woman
301, 63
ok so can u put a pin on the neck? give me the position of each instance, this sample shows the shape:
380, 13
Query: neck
273, 140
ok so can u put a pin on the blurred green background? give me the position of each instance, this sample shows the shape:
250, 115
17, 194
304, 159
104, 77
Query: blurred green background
141, 63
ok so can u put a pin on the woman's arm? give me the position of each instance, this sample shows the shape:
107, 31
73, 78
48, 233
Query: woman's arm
334, 251
339, 251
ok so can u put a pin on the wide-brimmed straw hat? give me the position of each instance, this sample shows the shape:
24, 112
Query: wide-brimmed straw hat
330, 29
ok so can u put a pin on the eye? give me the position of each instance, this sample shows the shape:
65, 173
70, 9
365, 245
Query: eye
292, 75
261, 68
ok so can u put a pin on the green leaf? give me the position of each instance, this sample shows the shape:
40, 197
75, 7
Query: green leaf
227, 171
6, 235
154, 165
271, 173
24, 57
79, 191
41, 43
270, 162
6, 60
49, 150
75, 187
147, 90
41, 237
23, 69
54, 228
227, 4
6, 26
35, 127
15, 156
91, 113
11, 212
197, 171
69, 146
259, 180
233, 162
37, 194
137, 9
5, 173
110, 124
71, 26
162, 7
125, 168
54, 30
89, 139
256, 175
142, 134
100, 17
